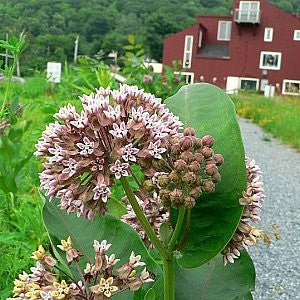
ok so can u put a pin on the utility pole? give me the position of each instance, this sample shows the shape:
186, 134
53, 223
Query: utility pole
76, 49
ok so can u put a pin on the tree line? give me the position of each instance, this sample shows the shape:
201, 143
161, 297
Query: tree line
51, 26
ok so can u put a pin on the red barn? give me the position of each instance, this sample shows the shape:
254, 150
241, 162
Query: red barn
257, 45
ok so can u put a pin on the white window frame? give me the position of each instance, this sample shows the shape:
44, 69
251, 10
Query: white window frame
243, 2
250, 79
186, 74
187, 64
283, 87
296, 35
268, 38
200, 38
228, 25
249, 12
261, 66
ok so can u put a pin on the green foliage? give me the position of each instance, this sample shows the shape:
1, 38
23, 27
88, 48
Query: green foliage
83, 232
52, 27
215, 217
279, 115
213, 281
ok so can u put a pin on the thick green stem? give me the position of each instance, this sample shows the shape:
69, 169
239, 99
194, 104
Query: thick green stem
177, 229
169, 279
142, 219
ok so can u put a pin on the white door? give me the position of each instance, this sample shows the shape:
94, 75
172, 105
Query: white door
232, 84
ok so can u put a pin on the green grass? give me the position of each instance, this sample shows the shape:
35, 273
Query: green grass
21, 225
278, 116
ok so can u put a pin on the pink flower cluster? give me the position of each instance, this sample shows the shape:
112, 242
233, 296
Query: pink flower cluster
252, 200
86, 151
154, 211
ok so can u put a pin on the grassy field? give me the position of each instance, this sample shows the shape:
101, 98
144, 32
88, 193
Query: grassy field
21, 226
279, 116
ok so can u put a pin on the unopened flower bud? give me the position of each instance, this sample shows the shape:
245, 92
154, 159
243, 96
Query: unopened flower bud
195, 192
189, 131
208, 186
197, 143
158, 164
180, 165
175, 149
163, 180
189, 178
187, 156
194, 166
174, 176
199, 157
186, 143
148, 185
135, 284
216, 177
211, 169
210, 161
244, 228
189, 201
207, 152
176, 196
164, 194
100, 261
49, 262
219, 159
208, 141
145, 162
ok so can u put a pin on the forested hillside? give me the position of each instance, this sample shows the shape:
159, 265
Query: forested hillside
51, 26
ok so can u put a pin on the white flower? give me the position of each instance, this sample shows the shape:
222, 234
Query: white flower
119, 131
87, 147
71, 165
128, 152
155, 151
101, 191
101, 247
113, 113
119, 169
134, 260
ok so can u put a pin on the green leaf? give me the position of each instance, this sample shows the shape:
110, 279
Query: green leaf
213, 281
128, 47
150, 295
123, 238
165, 233
140, 52
216, 281
116, 208
131, 39
215, 217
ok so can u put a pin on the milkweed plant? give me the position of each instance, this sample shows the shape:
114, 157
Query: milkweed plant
146, 200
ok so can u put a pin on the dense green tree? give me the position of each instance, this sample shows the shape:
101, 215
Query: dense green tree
51, 26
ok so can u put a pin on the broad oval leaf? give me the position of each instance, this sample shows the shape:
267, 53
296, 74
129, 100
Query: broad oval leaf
213, 281
83, 232
215, 217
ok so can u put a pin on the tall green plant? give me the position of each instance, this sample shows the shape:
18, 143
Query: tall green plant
183, 201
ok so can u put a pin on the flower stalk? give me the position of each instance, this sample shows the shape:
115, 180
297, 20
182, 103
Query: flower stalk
139, 213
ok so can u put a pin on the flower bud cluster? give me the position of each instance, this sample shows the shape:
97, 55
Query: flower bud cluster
84, 152
154, 211
100, 279
252, 200
191, 168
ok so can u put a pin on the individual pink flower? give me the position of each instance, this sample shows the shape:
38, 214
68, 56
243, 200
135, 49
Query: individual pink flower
155, 150
119, 169
129, 152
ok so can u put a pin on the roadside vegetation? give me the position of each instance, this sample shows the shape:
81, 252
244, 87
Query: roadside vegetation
278, 116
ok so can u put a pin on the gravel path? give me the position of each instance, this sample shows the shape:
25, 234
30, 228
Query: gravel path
277, 266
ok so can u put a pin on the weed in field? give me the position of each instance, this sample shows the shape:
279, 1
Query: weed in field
279, 116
